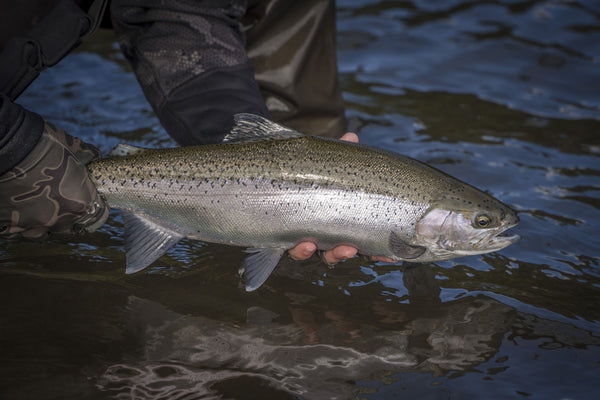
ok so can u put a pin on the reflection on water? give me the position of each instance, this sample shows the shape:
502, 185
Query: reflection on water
504, 95
189, 355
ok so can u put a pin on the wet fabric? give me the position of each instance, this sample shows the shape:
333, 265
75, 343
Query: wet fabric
292, 45
34, 35
20, 130
53, 30
191, 59
49, 191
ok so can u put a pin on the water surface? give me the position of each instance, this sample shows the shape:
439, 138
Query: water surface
502, 94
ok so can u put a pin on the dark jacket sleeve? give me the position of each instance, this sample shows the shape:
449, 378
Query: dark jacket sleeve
20, 131
189, 57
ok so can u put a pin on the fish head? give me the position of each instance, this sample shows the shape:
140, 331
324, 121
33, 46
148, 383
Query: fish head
473, 223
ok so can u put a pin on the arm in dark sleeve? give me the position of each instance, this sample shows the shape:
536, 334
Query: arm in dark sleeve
20, 131
190, 60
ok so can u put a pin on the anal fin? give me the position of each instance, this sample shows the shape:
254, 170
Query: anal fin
257, 267
404, 250
145, 241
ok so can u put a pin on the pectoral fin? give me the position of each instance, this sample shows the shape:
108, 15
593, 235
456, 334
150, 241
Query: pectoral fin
257, 267
145, 241
404, 250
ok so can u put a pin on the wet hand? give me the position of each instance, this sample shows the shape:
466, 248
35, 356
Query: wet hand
305, 250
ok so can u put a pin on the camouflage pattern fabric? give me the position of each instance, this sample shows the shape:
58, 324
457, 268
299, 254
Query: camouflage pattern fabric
50, 191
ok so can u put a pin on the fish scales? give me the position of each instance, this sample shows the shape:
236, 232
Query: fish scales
257, 193
323, 162
270, 193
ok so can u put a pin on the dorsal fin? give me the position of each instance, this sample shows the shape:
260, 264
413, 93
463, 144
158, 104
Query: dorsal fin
123, 149
254, 128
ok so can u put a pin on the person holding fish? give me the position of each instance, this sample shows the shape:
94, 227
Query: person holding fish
198, 62
252, 182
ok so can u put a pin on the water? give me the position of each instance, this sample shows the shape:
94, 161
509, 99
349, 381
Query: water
504, 95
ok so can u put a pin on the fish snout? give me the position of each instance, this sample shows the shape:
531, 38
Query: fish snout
508, 217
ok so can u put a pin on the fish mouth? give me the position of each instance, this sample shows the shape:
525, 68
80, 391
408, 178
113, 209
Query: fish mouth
493, 244
495, 241
502, 240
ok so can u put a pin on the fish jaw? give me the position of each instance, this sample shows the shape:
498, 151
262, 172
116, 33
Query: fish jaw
493, 243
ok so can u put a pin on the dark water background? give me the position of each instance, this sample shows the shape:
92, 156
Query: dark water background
503, 94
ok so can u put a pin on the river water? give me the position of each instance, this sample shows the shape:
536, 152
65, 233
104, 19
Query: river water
502, 94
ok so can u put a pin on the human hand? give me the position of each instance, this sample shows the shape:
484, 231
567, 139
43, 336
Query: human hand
305, 250
49, 191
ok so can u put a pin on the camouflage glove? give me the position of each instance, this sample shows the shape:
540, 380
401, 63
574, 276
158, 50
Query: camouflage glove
50, 191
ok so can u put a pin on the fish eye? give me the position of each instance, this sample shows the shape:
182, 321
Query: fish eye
482, 221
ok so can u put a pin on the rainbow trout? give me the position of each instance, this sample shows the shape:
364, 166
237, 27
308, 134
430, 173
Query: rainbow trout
268, 188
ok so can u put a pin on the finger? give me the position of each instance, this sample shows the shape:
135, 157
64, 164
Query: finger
302, 251
350, 137
340, 253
